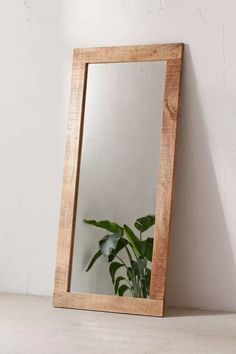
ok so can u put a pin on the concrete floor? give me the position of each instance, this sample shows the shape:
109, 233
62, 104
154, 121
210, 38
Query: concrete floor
30, 325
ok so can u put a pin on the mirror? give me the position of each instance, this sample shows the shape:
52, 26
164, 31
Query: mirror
118, 177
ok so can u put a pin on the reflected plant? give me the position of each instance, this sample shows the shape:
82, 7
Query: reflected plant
139, 255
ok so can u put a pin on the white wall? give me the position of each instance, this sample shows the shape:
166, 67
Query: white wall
36, 41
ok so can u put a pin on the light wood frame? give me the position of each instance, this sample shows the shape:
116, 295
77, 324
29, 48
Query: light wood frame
172, 54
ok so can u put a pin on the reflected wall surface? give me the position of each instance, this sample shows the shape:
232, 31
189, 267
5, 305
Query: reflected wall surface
120, 158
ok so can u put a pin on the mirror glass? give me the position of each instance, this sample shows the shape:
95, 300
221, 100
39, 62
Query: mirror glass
118, 178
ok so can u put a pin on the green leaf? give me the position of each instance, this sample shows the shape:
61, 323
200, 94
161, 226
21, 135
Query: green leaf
142, 263
122, 289
134, 240
93, 260
105, 224
135, 268
139, 267
148, 277
129, 273
109, 243
144, 288
144, 223
120, 245
114, 266
146, 282
117, 283
147, 248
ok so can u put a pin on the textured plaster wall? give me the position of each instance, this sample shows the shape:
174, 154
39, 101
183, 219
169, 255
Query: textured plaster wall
36, 41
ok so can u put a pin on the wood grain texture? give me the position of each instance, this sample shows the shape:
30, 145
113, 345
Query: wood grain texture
71, 176
165, 179
109, 303
150, 52
172, 54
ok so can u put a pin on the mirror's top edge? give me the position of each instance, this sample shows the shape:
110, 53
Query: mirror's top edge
129, 53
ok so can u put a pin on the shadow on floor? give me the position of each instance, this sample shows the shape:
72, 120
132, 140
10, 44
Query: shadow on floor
191, 312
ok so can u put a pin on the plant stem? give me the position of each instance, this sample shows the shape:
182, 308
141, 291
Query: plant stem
121, 261
133, 251
129, 255
130, 284
140, 235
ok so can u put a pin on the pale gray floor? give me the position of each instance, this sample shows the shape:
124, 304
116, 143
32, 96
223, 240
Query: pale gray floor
30, 325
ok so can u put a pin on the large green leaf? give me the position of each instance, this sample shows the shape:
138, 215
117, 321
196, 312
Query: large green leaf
105, 224
114, 266
93, 260
122, 289
109, 243
120, 245
117, 283
144, 223
134, 240
147, 248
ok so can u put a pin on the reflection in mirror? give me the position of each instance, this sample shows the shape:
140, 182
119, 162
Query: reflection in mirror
118, 179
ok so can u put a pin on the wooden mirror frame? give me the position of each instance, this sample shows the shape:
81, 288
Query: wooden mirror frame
172, 54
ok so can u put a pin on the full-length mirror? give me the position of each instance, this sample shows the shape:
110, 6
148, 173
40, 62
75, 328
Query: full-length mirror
118, 178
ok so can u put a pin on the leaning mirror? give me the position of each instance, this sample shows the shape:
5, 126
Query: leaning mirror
118, 179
